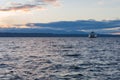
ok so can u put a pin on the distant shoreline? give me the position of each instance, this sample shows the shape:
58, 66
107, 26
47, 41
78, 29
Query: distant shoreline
51, 35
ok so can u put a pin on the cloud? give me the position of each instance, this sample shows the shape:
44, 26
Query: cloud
68, 27
108, 26
101, 2
116, 28
53, 2
109, 3
80, 24
28, 6
117, 33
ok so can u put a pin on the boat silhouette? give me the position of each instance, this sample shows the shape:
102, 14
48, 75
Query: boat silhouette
92, 35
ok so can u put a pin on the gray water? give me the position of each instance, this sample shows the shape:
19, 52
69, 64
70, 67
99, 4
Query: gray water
59, 59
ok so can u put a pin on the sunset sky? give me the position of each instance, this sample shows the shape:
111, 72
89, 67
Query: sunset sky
21, 12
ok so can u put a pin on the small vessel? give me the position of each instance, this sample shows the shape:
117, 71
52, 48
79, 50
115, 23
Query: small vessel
92, 35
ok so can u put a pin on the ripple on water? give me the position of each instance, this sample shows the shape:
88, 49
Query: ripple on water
59, 59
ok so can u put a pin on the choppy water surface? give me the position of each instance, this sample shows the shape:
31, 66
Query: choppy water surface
59, 59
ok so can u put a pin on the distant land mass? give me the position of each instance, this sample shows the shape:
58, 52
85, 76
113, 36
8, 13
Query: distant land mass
51, 35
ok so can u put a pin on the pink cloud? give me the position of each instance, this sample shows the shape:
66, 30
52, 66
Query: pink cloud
36, 4
53, 2
22, 7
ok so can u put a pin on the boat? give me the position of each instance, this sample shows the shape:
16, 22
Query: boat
92, 35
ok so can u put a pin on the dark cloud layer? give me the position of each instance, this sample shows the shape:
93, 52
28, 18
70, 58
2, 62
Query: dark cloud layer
108, 26
80, 24
70, 27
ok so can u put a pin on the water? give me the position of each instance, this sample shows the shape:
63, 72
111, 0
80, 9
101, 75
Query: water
59, 59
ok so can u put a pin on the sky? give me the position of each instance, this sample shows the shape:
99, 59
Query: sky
22, 12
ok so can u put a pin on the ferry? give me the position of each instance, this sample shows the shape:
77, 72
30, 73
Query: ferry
92, 35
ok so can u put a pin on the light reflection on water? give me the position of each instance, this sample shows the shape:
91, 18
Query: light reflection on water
59, 59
